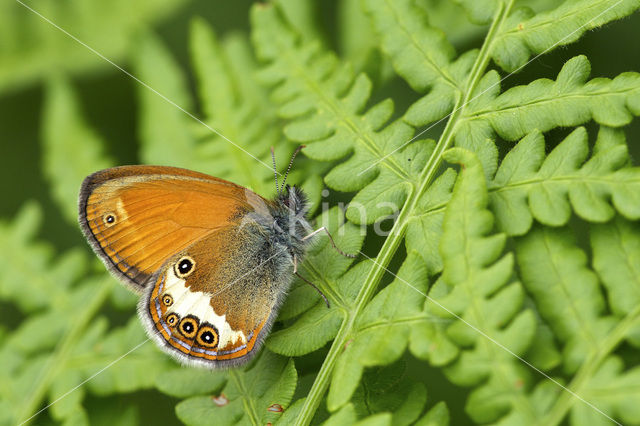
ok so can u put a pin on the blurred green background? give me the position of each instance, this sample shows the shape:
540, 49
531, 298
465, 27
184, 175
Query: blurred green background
33, 51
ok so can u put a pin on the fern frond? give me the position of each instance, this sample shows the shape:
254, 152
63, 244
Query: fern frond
72, 150
257, 395
382, 333
31, 48
326, 103
475, 285
420, 54
616, 259
567, 293
569, 298
528, 185
526, 33
545, 104
31, 277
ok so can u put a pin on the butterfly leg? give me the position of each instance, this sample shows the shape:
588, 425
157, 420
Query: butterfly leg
323, 229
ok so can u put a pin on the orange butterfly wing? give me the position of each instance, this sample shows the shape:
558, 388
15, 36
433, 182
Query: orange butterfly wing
136, 217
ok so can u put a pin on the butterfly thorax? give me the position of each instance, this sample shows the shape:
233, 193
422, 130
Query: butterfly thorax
290, 224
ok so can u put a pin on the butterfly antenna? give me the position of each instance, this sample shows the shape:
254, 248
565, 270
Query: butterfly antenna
291, 164
275, 171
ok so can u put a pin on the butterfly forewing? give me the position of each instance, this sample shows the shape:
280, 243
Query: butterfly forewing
136, 217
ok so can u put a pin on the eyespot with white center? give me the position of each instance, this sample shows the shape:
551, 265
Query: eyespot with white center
207, 336
188, 327
172, 319
167, 300
184, 266
109, 219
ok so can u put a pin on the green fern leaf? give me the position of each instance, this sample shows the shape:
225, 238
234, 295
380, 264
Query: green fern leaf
526, 33
32, 48
610, 380
567, 293
72, 149
480, 11
545, 104
185, 382
326, 104
420, 54
616, 252
475, 287
30, 277
165, 131
528, 185
382, 333
257, 395
438, 415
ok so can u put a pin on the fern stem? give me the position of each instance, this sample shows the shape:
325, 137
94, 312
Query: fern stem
566, 399
58, 358
397, 232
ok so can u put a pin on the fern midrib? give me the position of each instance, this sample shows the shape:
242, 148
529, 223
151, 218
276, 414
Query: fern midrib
581, 379
345, 117
444, 75
555, 21
579, 322
484, 114
247, 401
405, 320
396, 234
570, 179
488, 343
57, 360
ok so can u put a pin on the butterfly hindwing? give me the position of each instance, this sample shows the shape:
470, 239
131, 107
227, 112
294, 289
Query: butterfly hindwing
136, 217
213, 303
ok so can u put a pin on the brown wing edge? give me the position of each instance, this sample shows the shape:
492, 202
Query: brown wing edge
193, 361
98, 178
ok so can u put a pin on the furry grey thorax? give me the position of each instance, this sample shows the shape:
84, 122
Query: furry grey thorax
290, 224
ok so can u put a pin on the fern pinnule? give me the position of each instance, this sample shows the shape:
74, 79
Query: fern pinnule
526, 33
616, 249
528, 185
256, 396
326, 104
382, 332
490, 325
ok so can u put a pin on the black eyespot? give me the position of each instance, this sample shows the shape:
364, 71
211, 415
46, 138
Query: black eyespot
184, 266
167, 300
207, 336
109, 219
189, 327
172, 319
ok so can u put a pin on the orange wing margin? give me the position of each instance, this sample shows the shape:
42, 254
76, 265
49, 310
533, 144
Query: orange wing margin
136, 217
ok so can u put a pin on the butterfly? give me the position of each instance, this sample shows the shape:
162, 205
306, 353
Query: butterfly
212, 260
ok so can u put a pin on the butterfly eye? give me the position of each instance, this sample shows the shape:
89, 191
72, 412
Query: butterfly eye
184, 266
167, 300
188, 327
207, 336
172, 319
109, 219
